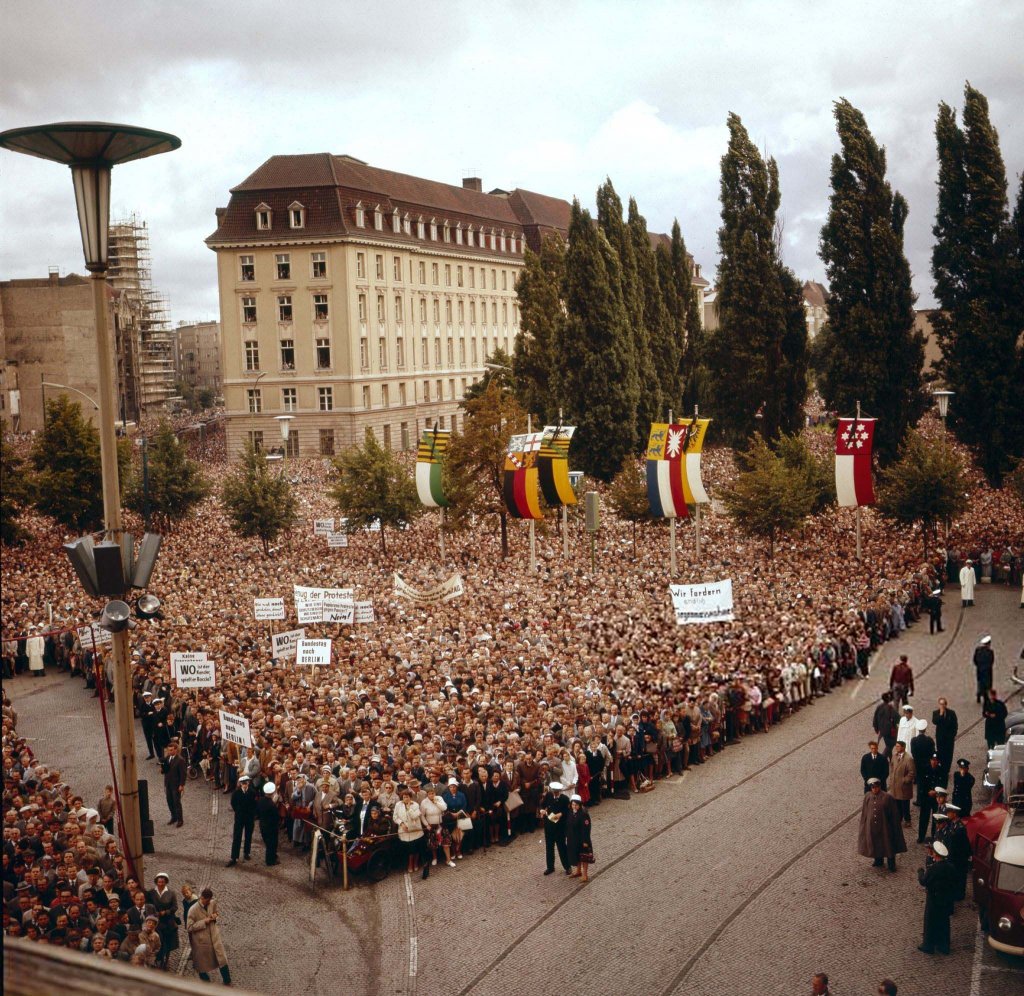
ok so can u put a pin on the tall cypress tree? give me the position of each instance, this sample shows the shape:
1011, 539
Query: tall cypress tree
595, 378
539, 289
662, 346
977, 282
872, 351
693, 374
755, 355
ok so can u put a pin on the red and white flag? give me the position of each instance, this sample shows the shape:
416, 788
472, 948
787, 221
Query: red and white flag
854, 437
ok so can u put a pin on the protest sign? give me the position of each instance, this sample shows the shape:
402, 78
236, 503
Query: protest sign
313, 653
336, 540
309, 605
193, 670
283, 645
363, 612
87, 635
235, 729
269, 608
323, 527
443, 592
701, 603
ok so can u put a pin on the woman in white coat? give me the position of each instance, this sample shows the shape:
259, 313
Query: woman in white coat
35, 647
570, 776
409, 820
967, 580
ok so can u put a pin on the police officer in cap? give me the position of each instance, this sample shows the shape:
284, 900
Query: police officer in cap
939, 881
243, 804
963, 787
270, 821
959, 846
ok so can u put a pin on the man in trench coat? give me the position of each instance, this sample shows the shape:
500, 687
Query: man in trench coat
881, 834
204, 932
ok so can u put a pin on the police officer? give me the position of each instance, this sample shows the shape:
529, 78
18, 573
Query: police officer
554, 812
984, 663
270, 821
243, 804
963, 787
939, 881
959, 846
146, 717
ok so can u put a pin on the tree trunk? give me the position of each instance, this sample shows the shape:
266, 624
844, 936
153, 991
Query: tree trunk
504, 534
266, 546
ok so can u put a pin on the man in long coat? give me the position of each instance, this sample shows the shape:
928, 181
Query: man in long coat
939, 879
204, 933
880, 835
984, 664
902, 778
967, 579
529, 790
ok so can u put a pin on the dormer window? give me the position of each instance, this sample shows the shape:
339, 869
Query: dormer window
296, 215
433, 229
396, 222
263, 217
447, 233
420, 228
494, 241
407, 224
470, 237
513, 244
378, 219
360, 215
458, 234
503, 241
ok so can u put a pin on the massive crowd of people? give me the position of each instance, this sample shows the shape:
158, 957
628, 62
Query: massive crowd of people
572, 676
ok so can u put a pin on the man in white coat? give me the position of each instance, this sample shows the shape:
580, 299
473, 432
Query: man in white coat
35, 647
967, 579
907, 728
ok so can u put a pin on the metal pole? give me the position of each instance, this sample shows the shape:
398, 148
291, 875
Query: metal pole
344, 855
696, 410
440, 536
593, 555
671, 530
42, 394
129, 779
533, 527
858, 507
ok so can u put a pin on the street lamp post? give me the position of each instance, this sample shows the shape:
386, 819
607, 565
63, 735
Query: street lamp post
942, 400
92, 149
284, 421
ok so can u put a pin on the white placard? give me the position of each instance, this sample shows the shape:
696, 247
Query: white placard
313, 653
373, 527
338, 605
335, 540
323, 527
235, 729
443, 592
269, 608
283, 645
309, 604
193, 670
363, 612
88, 634
702, 603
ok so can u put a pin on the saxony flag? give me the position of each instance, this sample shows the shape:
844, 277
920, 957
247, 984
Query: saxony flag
433, 446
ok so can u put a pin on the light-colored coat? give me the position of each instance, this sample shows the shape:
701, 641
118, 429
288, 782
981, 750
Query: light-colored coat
207, 947
967, 579
35, 646
902, 772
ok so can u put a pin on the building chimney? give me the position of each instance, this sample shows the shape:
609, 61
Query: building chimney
473, 183
220, 212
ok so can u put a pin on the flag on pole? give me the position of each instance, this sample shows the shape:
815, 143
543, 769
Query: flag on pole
693, 484
553, 465
432, 448
854, 438
521, 484
673, 467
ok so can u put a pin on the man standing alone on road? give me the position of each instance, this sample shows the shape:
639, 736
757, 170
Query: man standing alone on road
984, 664
946, 725
880, 835
175, 776
901, 680
243, 804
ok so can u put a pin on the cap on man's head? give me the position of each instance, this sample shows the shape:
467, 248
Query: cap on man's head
555, 786
922, 725
985, 640
874, 781
940, 849
908, 708
951, 808
963, 763
941, 791
244, 778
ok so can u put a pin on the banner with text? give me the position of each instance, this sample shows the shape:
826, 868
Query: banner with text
443, 592
269, 608
313, 653
337, 540
235, 729
702, 603
283, 645
193, 670
323, 604
364, 612
88, 635
323, 527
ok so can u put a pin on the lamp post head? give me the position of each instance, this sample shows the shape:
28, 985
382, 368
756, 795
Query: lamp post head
91, 149
942, 399
284, 421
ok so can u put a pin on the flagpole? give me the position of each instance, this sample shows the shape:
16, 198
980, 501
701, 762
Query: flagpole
696, 503
858, 506
565, 510
533, 529
671, 528
440, 534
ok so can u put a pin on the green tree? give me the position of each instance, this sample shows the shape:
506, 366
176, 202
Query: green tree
927, 484
628, 495
870, 349
371, 485
818, 473
978, 276
767, 499
258, 503
171, 484
691, 379
474, 469
14, 493
498, 371
541, 316
596, 380
757, 356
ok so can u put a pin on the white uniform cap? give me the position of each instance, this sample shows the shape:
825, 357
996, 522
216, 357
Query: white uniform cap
575, 798
985, 639
162, 875
922, 725
555, 786
269, 789
951, 808
939, 848
874, 781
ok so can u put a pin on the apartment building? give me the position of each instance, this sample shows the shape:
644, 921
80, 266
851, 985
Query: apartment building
197, 349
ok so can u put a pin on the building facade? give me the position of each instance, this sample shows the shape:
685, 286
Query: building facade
197, 348
355, 297
815, 298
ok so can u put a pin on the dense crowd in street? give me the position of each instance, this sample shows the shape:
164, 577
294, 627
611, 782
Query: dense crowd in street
454, 726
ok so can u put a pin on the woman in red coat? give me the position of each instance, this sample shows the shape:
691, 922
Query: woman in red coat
582, 773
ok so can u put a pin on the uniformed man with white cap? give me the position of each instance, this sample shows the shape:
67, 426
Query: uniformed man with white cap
554, 813
270, 820
984, 665
959, 846
243, 805
967, 581
939, 881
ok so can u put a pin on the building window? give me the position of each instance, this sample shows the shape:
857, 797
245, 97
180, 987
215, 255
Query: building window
249, 310
494, 313
422, 272
379, 261
263, 217
396, 222
421, 229
472, 277
458, 276
284, 308
472, 311
289, 398
291, 444
424, 356
378, 219
483, 279
400, 353
407, 224
405, 435
255, 396
401, 393
323, 354
326, 442
504, 279
463, 385
451, 388
440, 418
447, 275
382, 315
360, 215
382, 352
366, 398
288, 355
462, 312
385, 396
396, 269
248, 267
440, 392
494, 279
360, 264
256, 439
398, 309
470, 237
504, 313
448, 312
437, 353
426, 390
326, 398
433, 230
502, 241
296, 215
362, 307
364, 353
437, 312
472, 350
513, 244
320, 307
458, 234
284, 265
252, 354
462, 352
319, 265
451, 352
447, 233
434, 273
387, 437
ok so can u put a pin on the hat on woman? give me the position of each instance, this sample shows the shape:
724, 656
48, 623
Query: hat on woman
575, 798
162, 875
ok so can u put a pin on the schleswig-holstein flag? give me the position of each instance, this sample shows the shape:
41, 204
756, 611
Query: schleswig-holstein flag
433, 446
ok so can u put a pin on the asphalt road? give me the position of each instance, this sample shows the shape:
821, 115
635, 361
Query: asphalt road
741, 876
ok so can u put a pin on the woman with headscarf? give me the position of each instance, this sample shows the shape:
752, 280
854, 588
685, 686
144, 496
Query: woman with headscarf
495, 797
577, 838
165, 902
579, 756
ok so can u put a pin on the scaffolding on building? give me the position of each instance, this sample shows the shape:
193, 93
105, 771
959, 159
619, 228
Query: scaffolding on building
129, 272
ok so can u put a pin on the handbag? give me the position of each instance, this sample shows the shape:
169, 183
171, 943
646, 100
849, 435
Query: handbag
515, 800
464, 823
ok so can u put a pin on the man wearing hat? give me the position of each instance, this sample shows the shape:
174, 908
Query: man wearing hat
243, 805
175, 778
906, 728
146, 717
967, 580
959, 846
934, 605
880, 835
554, 811
940, 794
984, 663
270, 821
939, 881
963, 787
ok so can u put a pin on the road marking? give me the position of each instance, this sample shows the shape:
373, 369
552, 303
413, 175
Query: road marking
857, 689
213, 804
979, 950
412, 957
410, 900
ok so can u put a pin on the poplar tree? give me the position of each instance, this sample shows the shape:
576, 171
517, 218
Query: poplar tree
681, 295
172, 484
14, 493
872, 351
757, 356
595, 373
977, 271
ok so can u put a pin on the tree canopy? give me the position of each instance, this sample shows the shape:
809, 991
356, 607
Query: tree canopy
259, 503
172, 483
14, 494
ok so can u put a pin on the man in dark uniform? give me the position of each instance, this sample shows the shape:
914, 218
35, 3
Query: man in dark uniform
939, 880
994, 711
935, 611
963, 787
243, 804
554, 811
874, 765
270, 821
946, 725
161, 736
175, 777
146, 717
927, 780
984, 662
959, 846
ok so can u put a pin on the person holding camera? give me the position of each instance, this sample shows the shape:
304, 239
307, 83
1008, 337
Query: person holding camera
203, 926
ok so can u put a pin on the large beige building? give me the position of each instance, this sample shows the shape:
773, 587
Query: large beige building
197, 351
353, 296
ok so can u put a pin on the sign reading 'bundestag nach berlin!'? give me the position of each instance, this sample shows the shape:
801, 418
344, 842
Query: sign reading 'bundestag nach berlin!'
702, 603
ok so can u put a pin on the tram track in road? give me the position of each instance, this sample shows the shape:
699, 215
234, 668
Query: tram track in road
633, 852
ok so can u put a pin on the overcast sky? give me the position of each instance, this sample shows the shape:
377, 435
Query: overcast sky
547, 96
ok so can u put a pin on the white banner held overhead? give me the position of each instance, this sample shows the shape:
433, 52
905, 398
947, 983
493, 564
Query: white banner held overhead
323, 527
235, 729
702, 603
283, 645
313, 653
363, 612
269, 608
88, 634
193, 670
443, 592
337, 540
309, 604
